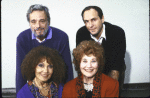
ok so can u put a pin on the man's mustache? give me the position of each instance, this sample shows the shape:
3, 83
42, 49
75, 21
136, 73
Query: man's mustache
39, 28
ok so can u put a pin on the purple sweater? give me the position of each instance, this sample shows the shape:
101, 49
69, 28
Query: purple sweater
25, 92
25, 43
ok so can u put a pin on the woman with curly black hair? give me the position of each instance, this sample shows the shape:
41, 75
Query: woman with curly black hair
91, 82
44, 70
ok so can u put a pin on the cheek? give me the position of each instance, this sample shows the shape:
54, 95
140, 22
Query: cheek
50, 71
32, 27
82, 65
95, 65
37, 71
87, 26
99, 24
44, 25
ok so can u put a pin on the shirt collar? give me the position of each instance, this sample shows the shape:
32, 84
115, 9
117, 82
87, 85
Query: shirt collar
102, 35
49, 36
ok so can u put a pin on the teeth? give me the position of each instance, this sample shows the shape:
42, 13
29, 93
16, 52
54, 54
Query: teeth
89, 70
44, 75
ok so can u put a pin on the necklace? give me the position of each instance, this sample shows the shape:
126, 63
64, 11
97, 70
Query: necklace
88, 86
40, 90
45, 87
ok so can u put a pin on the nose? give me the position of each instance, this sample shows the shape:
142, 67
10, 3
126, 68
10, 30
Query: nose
89, 64
45, 69
37, 25
90, 24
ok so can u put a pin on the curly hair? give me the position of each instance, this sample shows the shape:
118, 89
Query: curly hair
35, 56
88, 48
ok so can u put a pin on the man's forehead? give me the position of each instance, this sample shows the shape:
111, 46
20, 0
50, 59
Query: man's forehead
90, 14
38, 14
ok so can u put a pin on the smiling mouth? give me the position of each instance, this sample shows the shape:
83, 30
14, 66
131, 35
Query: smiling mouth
39, 30
88, 70
45, 75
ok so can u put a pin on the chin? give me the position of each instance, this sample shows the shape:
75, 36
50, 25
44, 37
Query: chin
44, 80
89, 76
95, 34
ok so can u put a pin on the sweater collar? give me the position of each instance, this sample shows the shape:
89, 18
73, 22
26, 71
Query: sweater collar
49, 36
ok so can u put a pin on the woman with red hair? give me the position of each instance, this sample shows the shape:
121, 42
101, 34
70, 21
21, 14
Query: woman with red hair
91, 82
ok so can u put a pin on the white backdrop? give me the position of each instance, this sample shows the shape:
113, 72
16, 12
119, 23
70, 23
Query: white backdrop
131, 15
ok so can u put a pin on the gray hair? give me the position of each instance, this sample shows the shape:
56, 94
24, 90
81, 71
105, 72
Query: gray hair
40, 8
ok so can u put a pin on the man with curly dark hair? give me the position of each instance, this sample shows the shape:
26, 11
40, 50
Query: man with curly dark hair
44, 70
89, 61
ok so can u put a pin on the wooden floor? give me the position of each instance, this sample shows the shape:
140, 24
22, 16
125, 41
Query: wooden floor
129, 90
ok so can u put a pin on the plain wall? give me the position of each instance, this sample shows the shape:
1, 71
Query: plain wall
131, 15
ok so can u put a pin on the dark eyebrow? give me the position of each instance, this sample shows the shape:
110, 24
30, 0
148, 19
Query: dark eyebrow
33, 20
85, 20
93, 58
42, 19
94, 18
91, 19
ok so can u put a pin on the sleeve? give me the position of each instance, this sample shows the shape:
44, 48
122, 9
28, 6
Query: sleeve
118, 49
78, 37
69, 90
112, 89
66, 92
60, 90
82, 34
65, 53
25, 92
19, 58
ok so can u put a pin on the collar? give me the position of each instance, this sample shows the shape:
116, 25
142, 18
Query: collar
102, 35
49, 36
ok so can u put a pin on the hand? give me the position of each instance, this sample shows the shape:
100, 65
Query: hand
114, 74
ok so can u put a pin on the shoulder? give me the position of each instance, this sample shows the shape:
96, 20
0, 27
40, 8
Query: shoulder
107, 78
82, 31
112, 27
69, 89
108, 81
114, 32
59, 35
109, 87
24, 35
58, 32
70, 84
23, 88
23, 91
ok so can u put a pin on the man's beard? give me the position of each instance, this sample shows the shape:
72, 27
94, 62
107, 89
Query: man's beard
40, 36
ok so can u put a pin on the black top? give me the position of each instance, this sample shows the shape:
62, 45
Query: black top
114, 46
88, 94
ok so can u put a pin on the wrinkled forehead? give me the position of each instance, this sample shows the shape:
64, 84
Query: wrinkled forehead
37, 14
